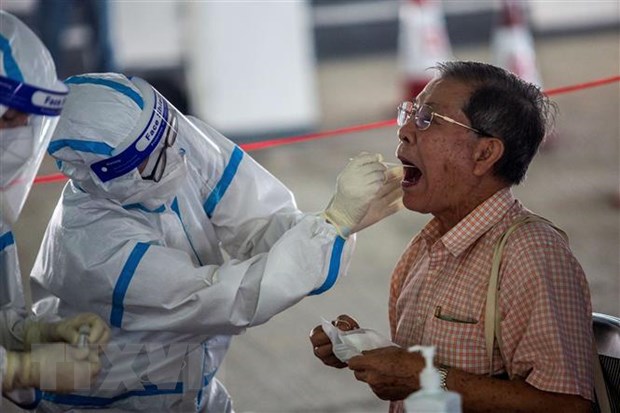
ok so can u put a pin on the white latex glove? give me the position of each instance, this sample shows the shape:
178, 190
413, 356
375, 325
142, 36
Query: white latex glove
388, 200
356, 186
68, 330
58, 367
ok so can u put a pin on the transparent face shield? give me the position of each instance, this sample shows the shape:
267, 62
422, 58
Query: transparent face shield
149, 167
29, 116
154, 151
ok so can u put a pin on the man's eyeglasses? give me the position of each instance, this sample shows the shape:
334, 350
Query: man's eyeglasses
423, 116
160, 163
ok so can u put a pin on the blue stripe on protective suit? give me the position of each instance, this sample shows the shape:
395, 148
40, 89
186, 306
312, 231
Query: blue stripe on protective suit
6, 259
6, 240
100, 148
93, 401
141, 207
10, 65
334, 267
122, 284
202, 373
175, 208
127, 91
227, 177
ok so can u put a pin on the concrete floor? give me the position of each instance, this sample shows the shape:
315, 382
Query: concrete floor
573, 182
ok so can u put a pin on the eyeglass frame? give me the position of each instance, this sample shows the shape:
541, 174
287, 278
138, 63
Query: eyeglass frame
416, 109
169, 140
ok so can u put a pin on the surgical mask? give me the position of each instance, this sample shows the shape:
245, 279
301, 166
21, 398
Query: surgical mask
133, 189
17, 146
347, 344
22, 150
155, 194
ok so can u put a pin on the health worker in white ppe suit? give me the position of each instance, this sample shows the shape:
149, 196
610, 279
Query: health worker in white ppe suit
136, 237
31, 98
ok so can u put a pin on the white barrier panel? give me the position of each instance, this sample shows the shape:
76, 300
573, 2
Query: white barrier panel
250, 66
145, 36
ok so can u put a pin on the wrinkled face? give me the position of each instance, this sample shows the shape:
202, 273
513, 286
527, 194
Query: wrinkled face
442, 154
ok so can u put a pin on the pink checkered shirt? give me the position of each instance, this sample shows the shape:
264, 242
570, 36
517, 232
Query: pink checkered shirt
438, 296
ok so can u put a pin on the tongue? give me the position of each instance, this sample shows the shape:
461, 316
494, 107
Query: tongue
412, 175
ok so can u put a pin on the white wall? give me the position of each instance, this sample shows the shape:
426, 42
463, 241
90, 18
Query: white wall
146, 35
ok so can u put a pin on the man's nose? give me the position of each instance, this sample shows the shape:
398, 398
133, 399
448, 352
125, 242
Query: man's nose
406, 133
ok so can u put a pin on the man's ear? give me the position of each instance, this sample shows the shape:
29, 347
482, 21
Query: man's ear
487, 152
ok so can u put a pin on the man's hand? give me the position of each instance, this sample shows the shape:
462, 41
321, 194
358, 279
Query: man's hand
321, 344
391, 372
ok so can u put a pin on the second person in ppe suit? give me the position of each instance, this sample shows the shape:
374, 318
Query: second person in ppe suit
137, 236
32, 353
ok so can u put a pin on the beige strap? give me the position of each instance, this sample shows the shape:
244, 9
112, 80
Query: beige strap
600, 388
491, 318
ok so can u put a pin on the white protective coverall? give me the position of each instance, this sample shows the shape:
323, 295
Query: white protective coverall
146, 256
28, 84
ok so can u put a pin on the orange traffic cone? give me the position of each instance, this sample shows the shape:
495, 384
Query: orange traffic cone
512, 47
512, 43
422, 43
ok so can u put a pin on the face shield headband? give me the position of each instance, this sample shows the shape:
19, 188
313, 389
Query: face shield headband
30, 99
157, 125
22, 147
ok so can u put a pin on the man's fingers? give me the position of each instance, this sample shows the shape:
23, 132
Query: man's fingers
345, 323
323, 351
359, 363
318, 337
360, 375
325, 354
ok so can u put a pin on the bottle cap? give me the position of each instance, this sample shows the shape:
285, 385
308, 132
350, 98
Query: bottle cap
429, 378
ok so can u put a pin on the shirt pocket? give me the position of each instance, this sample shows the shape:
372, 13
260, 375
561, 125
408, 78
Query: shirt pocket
453, 317
459, 340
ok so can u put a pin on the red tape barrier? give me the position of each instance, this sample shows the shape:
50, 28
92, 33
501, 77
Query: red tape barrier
257, 146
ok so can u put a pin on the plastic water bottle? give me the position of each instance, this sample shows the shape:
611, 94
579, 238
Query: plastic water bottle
431, 398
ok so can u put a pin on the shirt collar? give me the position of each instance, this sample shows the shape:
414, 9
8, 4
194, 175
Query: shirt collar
474, 225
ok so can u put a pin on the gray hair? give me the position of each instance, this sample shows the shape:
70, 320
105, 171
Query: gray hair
506, 107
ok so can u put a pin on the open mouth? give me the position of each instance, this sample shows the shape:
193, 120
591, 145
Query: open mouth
412, 173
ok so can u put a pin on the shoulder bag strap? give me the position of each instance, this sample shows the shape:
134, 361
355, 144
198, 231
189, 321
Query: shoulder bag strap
492, 320
491, 317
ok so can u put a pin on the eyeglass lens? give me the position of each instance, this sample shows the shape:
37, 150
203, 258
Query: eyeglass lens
160, 164
423, 115
405, 110
171, 133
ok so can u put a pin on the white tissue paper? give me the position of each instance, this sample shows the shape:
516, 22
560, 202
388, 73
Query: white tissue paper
347, 344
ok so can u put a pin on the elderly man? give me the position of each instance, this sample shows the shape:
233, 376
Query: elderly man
466, 140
